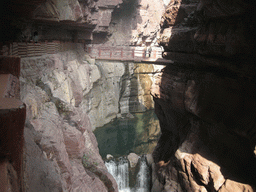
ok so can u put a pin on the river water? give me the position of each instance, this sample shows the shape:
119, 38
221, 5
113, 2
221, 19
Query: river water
129, 135
126, 135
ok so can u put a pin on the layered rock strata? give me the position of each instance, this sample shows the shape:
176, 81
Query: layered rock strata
71, 20
113, 22
205, 99
68, 95
58, 133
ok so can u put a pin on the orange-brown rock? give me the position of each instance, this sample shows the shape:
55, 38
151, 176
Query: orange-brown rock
207, 119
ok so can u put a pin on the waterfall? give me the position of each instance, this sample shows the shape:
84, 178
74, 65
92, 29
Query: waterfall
119, 169
143, 177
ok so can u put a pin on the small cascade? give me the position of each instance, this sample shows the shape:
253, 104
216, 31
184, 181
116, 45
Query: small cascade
143, 177
119, 169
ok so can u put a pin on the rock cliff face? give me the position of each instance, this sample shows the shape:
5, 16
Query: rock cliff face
136, 23
58, 133
205, 98
67, 96
122, 88
69, 20
115, 22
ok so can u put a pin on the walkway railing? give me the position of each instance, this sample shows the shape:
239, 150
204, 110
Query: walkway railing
30, 49
124, 53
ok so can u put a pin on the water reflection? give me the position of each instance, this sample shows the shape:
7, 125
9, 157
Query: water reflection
125, 135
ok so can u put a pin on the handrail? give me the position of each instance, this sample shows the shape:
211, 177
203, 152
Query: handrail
124, 53
31, 49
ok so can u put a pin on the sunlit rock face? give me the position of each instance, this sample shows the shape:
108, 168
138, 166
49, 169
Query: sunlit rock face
103, 99
68, 95
135, 92
136, 23
205, 98
58, 132
121, 89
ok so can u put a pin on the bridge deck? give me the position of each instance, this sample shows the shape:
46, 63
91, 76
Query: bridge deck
132, 54
158, 61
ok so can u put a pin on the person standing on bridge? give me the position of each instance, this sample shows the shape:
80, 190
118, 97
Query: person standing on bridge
149, 51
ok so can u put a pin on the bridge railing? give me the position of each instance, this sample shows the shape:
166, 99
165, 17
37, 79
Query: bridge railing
123, 53
30, 49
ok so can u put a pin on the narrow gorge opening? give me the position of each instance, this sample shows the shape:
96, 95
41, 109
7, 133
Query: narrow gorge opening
81, 84
125, 145
135, 129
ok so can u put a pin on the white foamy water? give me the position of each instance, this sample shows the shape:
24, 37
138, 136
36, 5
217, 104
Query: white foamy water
120, 171
143, 178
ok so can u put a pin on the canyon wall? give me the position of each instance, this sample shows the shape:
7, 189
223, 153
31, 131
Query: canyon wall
113, 23
205, 98
123, 88
136, 23
58, 134
68, 95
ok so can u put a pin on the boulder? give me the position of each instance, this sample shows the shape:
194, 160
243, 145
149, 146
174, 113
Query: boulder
133, 159
109, 157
